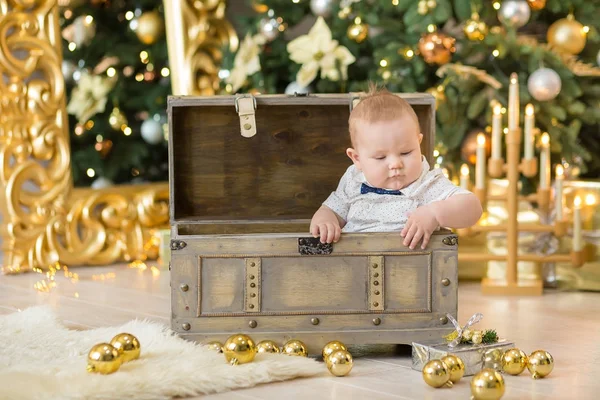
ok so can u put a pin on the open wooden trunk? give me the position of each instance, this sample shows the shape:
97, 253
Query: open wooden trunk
244, 183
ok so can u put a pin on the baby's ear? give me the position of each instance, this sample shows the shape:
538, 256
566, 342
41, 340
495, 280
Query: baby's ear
420, 138
353, 154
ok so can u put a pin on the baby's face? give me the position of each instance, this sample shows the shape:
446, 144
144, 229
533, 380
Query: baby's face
388, 152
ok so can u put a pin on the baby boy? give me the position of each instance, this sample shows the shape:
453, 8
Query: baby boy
390, 186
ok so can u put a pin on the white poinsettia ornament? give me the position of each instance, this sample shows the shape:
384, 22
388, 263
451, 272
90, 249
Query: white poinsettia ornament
318, 51
89, 96
246, 61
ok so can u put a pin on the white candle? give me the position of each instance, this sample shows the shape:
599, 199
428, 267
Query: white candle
558, 192
529, 125
480, 163
577, 238
497, 132
464, 177
513, 102
545, 162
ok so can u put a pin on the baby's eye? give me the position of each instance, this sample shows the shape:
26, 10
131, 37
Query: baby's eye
406, 153
380, 158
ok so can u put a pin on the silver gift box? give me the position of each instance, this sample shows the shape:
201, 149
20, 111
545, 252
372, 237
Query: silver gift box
473, 355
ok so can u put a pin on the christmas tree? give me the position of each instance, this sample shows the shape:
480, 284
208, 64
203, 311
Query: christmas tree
461, 52
117, 78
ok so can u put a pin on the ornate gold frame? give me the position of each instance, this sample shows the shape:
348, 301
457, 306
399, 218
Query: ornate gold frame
44, 219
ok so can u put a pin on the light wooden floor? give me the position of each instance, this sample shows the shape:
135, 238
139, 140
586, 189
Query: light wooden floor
565, 324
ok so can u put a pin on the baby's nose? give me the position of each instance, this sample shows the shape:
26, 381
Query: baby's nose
395, 164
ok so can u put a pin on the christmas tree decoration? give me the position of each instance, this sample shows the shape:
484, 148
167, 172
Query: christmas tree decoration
422, 8
239, 349
456, 367
540, 363
89, 97
339, 363
127, 345
544, 84
152, 131
321, 8
514, 361
436, 374
268, 346
436, 48
468, 148
215, 346
101, 183
294, 348
438, 93
536, 5
318, 51
475, 29
344, 12
488, 384
492, 358
246, 62
150, 27
477, 337
269, 27
332, 347
104, 359
103, 147
514, 13
358, 31
117, 120
293, 88
81, 31
68, 69
259, 6
567, 35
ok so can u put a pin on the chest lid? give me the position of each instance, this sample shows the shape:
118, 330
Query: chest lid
284, 170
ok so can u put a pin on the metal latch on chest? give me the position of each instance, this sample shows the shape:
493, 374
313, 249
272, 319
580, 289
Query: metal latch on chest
245, 106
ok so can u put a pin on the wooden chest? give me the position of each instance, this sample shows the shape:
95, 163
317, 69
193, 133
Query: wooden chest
246, 176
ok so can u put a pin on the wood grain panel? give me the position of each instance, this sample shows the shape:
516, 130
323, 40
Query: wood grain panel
223, 285
407, 282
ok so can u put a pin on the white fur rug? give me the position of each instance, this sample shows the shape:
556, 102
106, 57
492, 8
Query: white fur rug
41, 359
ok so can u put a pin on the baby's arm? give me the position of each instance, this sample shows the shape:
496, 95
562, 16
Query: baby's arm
327, 224
459, 211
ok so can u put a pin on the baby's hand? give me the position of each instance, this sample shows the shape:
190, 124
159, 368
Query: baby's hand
420, 225
325, 224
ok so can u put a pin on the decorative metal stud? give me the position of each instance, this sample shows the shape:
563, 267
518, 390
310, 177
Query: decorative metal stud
184, 287
252, 324
445, 281
376, 304
450, 240
253, 284
376, 321
253, 264
186, 326
374, 265
314, 321
177, 244
444, 320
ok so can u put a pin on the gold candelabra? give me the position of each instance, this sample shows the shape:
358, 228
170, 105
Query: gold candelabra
511, 168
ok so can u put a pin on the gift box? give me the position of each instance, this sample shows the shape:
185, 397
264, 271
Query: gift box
472, 355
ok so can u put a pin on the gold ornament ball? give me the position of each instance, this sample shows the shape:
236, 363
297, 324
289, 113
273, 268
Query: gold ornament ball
358, 32
467, 334
294, 348
216, 346
567, 35
475, 29
127, 345
267, 346
436, 374
340, 363
477, 338
487, 384
540, 364
103, 358
514, 361
150, 27
536, 4
239, 349
332, 347
456, 367
436, 48
492, 358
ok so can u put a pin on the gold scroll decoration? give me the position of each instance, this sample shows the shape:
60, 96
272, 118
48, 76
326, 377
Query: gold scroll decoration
196, 33
45, 220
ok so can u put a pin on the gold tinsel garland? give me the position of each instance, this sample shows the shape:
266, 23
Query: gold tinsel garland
464, 70
576, 66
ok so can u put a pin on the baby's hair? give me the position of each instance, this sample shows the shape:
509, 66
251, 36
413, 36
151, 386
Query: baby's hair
379, 105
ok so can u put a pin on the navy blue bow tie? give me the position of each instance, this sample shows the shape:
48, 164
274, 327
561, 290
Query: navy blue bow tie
368, 189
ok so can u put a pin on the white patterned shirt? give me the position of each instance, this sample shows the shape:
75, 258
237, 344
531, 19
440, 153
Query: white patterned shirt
373, 212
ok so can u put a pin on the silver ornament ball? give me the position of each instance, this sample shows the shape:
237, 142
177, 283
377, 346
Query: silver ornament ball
514, 13
294, 87
269, 27
321, 8
544, 84
101, 183
152, 131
